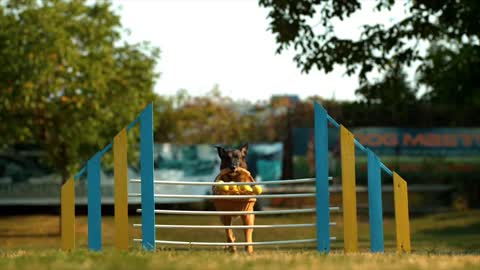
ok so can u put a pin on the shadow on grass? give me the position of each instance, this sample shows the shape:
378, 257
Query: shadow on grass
7, 234
240, 249
465, 238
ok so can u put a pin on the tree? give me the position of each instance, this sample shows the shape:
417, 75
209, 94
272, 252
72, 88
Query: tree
392, 97
213, 119
392, 90
165, 120
451, 75
379, 47
66, 81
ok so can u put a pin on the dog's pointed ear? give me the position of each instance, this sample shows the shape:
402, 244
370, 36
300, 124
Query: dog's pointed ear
220, 150
244, 149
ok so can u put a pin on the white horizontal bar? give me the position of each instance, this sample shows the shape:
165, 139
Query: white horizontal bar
239, 213
292, 195
176, 226
190, 183
221, 213
299, 241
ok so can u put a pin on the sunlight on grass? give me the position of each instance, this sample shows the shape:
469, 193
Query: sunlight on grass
442, 241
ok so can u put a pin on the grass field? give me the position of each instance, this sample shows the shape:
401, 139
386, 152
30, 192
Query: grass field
440, 241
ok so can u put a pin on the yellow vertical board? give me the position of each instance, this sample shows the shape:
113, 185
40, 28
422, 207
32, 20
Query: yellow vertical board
121, 189
67, 201
402, 223
349, 198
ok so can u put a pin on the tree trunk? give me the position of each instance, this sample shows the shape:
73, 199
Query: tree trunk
287, 172
65, 175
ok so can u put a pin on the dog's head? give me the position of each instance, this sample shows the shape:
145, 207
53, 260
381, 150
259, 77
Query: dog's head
234, 158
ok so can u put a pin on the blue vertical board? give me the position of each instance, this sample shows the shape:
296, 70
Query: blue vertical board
375, 203
148, 197
321, 183
94, 204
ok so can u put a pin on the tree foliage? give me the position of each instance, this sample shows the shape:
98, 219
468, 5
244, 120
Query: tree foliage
379, 47
66, 80
452, 75
212, 119
392, 90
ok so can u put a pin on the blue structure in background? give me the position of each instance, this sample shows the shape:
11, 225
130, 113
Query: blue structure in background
148, 199
94, 204
375, 203
321, 183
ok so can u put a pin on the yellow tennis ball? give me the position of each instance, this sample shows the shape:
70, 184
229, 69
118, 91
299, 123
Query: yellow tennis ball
221, 188
245, 189
257, 189
224, 188
218, 187
234, 189
248, 189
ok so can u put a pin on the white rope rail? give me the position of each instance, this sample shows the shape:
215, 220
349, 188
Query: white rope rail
221, 213
282, 242
177, 226
238, 213
190, 183
292, 195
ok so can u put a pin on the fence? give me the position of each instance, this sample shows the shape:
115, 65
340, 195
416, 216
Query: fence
321, 194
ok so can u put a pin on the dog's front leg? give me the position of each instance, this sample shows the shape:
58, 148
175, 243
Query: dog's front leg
248, 220
227, 221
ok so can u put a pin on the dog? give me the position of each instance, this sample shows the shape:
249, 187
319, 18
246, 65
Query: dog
233, 168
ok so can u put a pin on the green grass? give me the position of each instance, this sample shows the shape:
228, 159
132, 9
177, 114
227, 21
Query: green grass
441, 241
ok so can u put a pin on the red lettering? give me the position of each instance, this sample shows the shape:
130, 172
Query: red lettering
362, 138
466, 139
408, 140
431, 140
390, 139
375, 140
449, 140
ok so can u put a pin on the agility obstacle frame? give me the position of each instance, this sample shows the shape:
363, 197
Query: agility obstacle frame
120, 191
322, 209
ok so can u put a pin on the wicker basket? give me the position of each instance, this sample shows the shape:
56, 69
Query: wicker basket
234, 204
242, 175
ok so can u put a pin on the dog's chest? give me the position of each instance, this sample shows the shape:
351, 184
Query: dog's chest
236, 177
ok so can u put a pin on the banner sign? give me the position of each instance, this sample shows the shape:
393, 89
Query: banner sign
402, 141
422, 151
433, 141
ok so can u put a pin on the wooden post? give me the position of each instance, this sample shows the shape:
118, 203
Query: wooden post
349, 197
121, 189
68, 214
402, 223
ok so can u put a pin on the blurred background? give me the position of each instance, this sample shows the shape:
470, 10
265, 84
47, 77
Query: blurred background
403, 76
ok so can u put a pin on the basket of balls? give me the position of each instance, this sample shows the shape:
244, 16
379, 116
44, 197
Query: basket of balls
240, 175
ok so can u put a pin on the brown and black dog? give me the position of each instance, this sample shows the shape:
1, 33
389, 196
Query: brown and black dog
233, 168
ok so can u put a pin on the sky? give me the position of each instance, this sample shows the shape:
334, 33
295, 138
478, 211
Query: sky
227, 43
